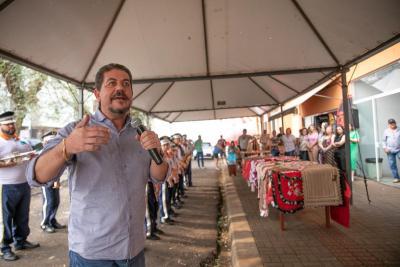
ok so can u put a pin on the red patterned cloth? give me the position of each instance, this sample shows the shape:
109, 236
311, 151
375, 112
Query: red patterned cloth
246, 169
287, 190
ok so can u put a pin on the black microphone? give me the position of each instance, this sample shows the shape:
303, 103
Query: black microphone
136, 123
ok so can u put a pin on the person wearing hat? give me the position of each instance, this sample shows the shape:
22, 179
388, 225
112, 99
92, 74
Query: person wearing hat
391, 146
51, 198
188, 147
109, 165
15, 190
164, 198
180, 190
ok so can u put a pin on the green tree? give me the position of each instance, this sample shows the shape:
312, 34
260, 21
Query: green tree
22, 85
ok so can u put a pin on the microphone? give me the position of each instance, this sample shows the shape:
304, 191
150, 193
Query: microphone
136, 123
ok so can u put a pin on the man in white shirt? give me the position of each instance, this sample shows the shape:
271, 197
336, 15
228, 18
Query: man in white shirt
15, 190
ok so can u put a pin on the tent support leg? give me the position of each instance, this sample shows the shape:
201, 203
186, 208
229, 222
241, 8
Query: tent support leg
346, 110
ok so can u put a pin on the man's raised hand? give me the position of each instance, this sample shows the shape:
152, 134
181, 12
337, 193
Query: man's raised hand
86, 138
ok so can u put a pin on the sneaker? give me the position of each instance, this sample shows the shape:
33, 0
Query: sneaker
48, 229
56, 225
9, 256
152, 237
396, 181
26, 245
159, 231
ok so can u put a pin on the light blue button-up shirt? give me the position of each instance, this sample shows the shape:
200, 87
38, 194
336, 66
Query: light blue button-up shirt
391, 140
107, 193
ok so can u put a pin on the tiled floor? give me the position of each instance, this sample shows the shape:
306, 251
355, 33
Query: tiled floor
373, 238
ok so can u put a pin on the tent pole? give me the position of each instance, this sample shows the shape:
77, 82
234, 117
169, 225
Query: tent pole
82, 102
346, 111
283, 125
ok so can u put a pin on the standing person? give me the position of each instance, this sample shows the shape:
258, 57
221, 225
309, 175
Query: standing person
188, 147
15, 191
326, 147
289, 142
177, 139
264, 140
313, 143
243, 140
198, 145
164, 198
222, 143
391, 146
109, 167
354, 140
303, 144
51, 198
216, 153
274, 144
232, 158
339, 144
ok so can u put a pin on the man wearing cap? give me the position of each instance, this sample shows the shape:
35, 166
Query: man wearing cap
109, 167
164, 198
391, 146
15, 191
188, 147
177, 139
51, 198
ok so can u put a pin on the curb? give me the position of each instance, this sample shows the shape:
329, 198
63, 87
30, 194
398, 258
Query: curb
243, 246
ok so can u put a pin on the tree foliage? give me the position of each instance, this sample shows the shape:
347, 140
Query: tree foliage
22, 85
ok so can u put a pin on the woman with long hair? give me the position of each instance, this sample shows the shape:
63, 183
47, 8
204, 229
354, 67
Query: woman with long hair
303, 144
312, 143
354, 140
326, 146
339, 144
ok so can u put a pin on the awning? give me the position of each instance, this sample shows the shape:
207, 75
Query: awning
199, 60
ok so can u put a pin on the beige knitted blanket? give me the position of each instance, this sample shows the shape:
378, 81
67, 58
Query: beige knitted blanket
321, 186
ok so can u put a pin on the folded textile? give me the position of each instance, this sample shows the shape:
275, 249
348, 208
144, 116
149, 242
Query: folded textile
321, 186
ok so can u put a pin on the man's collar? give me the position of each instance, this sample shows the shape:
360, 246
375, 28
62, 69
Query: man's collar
99, 116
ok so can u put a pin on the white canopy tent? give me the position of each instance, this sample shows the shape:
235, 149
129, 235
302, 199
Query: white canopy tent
200, 59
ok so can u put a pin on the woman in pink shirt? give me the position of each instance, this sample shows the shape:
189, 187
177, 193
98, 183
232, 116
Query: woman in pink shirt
312, 143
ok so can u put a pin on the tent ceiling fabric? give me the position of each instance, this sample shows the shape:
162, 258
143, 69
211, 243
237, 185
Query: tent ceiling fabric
199, 59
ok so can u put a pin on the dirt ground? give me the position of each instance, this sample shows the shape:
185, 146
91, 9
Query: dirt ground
187, 243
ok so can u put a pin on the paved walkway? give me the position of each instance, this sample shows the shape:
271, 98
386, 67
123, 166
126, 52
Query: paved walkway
373, 238
187, 243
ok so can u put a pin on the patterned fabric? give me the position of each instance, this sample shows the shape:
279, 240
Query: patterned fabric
321, 186
287, 190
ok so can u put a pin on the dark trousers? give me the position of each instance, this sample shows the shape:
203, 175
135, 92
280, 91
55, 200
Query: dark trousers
181, 186
289, 153
15, 202
152, 205
189, 173
304, 155
51, 202
232, 169
275, 152
200, 157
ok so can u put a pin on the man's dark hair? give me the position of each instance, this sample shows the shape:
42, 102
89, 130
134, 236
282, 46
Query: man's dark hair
112, 66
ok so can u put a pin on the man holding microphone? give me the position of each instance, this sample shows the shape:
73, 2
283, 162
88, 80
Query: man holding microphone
108, 171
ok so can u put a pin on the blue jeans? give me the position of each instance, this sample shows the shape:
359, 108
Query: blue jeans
393, 163
275, 152
289, 153
76, 260
200, 157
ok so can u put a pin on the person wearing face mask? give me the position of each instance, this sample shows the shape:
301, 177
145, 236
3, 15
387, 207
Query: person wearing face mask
15, 190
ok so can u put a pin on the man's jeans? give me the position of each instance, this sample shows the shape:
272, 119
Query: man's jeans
75, 260
393, 163
200, 157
